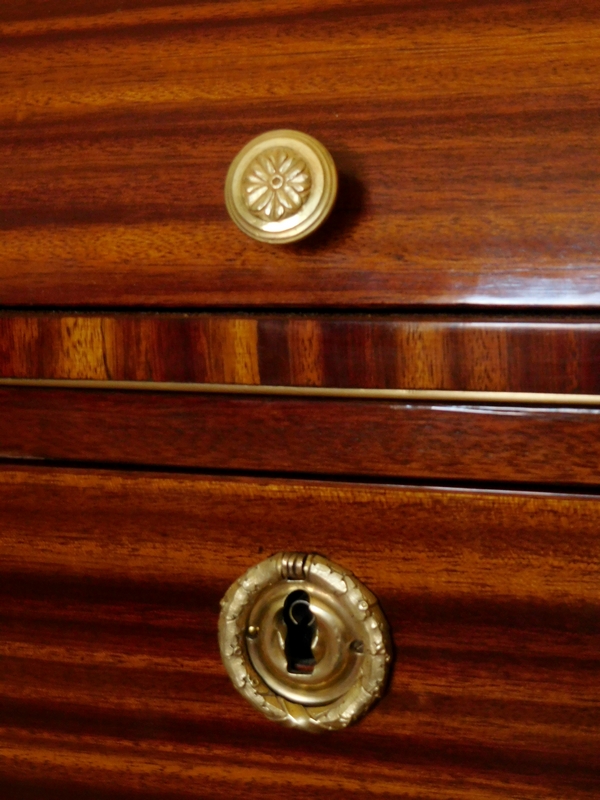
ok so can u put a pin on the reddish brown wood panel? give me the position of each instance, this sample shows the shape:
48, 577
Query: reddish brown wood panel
406, 352
334, 437
466, 135
111, 681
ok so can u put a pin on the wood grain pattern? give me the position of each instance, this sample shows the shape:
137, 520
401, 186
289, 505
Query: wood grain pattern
111, 682
407, 352
465, 133
326, 437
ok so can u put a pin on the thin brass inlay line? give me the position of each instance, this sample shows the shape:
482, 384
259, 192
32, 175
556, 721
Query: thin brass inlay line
432, 395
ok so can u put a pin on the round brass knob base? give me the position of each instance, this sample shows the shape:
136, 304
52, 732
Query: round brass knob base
281, 186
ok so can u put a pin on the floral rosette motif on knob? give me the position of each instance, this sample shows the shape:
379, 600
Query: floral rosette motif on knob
276, 184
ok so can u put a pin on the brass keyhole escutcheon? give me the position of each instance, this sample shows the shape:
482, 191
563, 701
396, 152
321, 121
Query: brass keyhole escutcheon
305, 641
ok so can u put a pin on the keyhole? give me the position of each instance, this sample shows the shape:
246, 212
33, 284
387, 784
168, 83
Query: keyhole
300, 623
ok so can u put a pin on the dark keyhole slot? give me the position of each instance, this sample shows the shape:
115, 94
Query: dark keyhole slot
301, 624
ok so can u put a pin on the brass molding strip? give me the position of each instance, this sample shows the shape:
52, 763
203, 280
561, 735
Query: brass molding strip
435, 395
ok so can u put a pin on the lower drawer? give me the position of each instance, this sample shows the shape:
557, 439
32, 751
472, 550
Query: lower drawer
111, 683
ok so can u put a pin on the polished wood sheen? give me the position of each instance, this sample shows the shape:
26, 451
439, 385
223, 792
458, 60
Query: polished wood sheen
465, 133
429, 442
463, 254
559, 354
111, 684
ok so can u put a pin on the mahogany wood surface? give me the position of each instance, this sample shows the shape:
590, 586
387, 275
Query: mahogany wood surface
465, 132
326, 437
110, 677
558, 354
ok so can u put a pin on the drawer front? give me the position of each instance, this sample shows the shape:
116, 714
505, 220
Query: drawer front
111, 680
492, 445
466, 140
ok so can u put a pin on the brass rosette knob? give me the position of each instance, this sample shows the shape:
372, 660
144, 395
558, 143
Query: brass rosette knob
281, 186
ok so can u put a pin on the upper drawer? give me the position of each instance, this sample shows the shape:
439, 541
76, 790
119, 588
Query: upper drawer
466, 138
